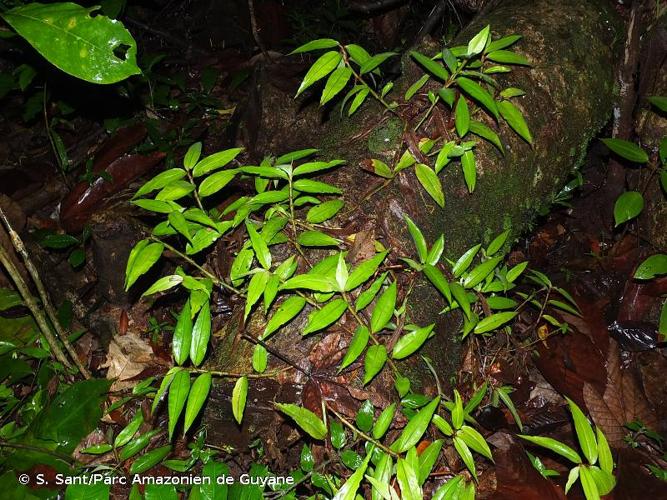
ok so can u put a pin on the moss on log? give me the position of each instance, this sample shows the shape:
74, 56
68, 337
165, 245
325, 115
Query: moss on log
569, 93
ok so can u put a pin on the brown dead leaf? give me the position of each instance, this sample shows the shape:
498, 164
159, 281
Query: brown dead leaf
128, 356
623, 400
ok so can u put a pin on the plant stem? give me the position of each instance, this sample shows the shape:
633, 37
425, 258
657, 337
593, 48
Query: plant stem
46, 302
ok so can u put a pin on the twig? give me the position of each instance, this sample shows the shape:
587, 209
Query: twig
46, 301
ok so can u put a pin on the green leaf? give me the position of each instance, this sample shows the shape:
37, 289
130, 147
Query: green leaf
474, 90
431, 183
584, 433
475, 441
497, 243
503, 43
415, 428
57, 241
239, 396
164, 385
384, 308
418, 238
555, 446
507, 57
604, 452
192, 155
161, 207
659, 102
479, 41
411, 342
321, 318
447, 95
415, 87
324, 65
175, 191
259, 358
315, 187
319, 44
182, 335
357, 345
178, 395
628, 206
349, 490
365, 415
285, 313
316, 239
150, 459
215, 161
201, 333
588, 484
363, 272
432, 67
436, 250
469, 170
655, 265
478, 128
461, 297
335, 83
457, 411
408, 481
383, 422
510, 92
438, 280
129, 431
179, 223
141, 259
215, 182
375, 61
337, 434
515, 120
315, 282
494, 321
572, 478
480, 272
196, 399
294, 156
161, 180
462, 117
305, 419
376, 357
427, 460
357, 53
89, 48
162, 284
626, 149
463, 263
465, 454
604, 481
324, 211
358, 100
138, 444
255, 290
259, 246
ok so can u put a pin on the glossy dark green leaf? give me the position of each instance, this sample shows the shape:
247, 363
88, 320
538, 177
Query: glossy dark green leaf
136, 445
628, 206
196, 399
365, 416
415, 87
178, 396
161, 180
481, 271
315, 187
427, 460
150, 459
129, 430
321, 318
469, 170
315, 282
201, 333
462, 117
408, 482
384, 421
256, 288
305, 419
96, 49
465, 454
626, 149
260, 247
337, 434
349, 489
503, 43
411, 342
480, 129
375, 61
461, 297
475, 441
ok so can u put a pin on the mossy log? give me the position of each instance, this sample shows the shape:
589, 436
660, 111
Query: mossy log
569, 93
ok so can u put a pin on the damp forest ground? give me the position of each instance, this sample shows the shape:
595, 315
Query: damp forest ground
200, 84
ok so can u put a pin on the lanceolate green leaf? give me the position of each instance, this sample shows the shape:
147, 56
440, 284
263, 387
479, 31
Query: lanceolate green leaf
584, 433
376, 357
83, 46
438, 280
479, 41
319, 44
196, 399
432, 67
465, 454
141, 259
162, 284
588, 484
306, 419
256, 288
364, 271
357, 345
349, 490
408, 481
494, 321
182, 335
469, 170
384, 308
555, 446
462, 117
150, 459
215, 182
178, 395
161, 180
480, 272
411, 342
321, 318
474, 90
507, 57
478, 128
324, 211
285, 313
515, 119
259, 246
655, 265
416, 427
215, 161
326, 63
417, 238
475, 441
335, 83
201, 333
383, 422
431, 183
626, 149
239, 396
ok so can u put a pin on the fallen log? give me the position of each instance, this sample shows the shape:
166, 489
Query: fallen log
569, 93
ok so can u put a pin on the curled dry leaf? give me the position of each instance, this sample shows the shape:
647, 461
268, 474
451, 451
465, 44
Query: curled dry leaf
128, 356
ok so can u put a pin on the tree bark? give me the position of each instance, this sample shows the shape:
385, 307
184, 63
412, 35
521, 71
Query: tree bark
569, 93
